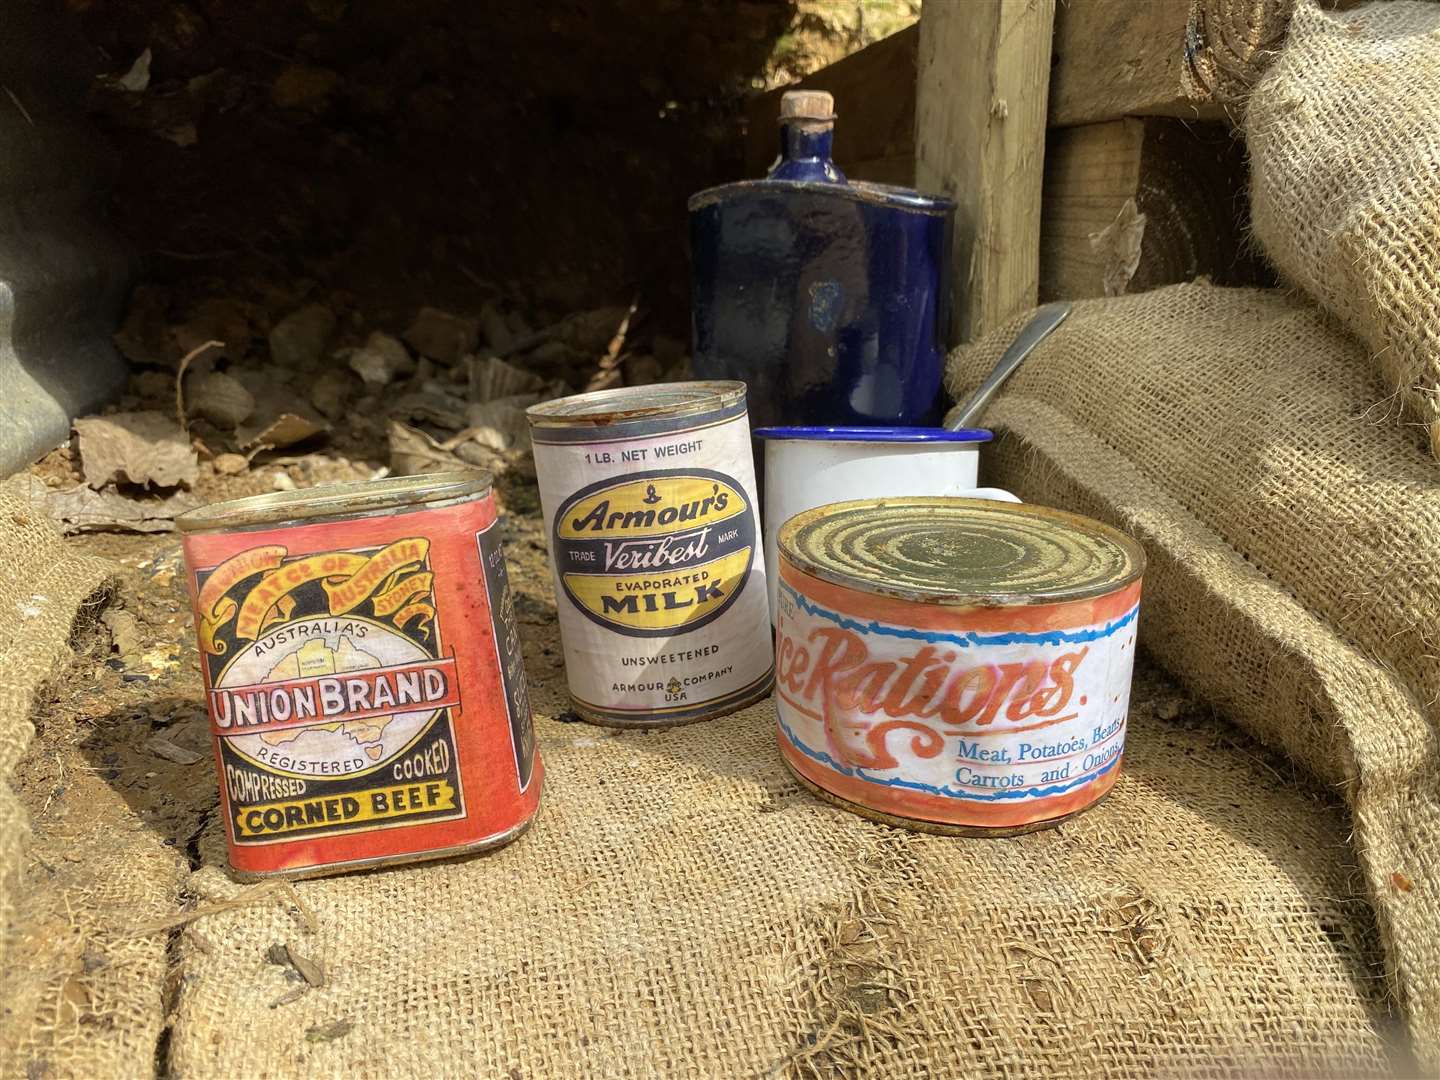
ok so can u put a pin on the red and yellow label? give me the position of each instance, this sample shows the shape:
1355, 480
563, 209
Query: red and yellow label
363, 688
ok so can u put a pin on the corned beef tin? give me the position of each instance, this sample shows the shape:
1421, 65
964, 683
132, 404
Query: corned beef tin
652, 523
955, 665
364, 677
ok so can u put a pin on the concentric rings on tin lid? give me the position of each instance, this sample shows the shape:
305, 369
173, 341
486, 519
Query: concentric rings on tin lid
602, 408
328, 501
961, 552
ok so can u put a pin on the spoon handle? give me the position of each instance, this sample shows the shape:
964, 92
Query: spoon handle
1031, 334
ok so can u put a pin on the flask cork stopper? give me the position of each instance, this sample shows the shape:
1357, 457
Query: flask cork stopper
807, 105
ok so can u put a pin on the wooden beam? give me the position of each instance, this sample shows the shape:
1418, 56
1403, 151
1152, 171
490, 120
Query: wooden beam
1232, 42
1111, 58
1117, 58
1133, 204
984, 73
875, 108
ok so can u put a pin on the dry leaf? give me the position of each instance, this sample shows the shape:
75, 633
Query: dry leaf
491, 378
1119, 245
413, 452
381, 359
500, 425
607, 372
442, 410
137, 79
80, 509
163, 747
479, 456
285, 430
325, 1032
312, 971
142, 448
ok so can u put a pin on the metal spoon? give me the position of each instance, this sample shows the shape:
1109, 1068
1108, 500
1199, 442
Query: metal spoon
1031, 334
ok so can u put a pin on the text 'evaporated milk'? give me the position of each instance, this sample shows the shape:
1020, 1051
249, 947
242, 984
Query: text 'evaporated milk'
654, 536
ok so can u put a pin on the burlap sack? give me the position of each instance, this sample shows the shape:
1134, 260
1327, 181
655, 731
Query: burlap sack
682, 908
1294, 544
1344, 136
80, 994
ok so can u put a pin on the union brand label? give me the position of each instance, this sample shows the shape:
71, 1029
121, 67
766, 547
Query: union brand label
997, 719
659, 570
355, 674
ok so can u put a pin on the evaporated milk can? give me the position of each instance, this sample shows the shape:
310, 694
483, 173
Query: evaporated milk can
955, 665
363, 674
652, 524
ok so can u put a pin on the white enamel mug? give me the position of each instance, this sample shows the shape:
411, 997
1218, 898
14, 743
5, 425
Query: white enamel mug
807, 467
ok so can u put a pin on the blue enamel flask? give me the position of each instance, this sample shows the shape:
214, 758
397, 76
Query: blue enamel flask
828, 297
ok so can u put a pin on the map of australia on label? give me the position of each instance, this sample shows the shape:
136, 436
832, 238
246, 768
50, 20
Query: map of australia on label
324, 697
317, 658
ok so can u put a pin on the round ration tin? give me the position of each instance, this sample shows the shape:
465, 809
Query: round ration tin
650, 512
955, 665
363, 674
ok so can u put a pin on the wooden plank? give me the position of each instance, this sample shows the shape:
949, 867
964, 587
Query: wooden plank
1133, 204
875, 107
984, 74
1117, 58
1111, 58
1090, 172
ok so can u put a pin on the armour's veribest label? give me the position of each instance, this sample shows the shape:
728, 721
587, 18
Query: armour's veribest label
663, 551
364, 687
659, 571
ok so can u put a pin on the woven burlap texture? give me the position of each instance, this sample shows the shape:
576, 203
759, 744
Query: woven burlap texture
80, 994
682, 908
1294, 544
1344, 139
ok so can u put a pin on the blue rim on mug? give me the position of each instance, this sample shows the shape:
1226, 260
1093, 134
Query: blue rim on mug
876, 434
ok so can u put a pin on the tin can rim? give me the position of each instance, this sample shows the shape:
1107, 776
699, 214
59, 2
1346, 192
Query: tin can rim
625, 404
1134, 553
855, 433
331, 501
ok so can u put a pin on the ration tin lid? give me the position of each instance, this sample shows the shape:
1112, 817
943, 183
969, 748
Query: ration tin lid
603, 408
961, 552
359, 498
